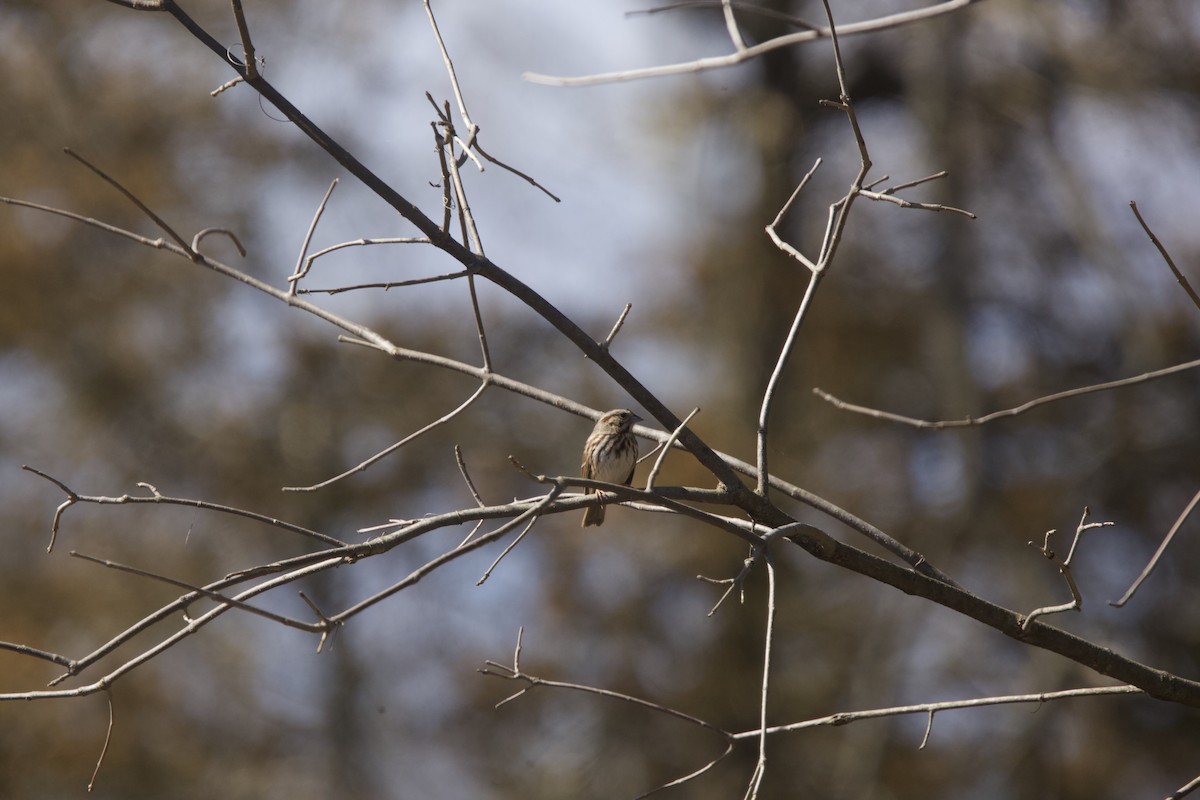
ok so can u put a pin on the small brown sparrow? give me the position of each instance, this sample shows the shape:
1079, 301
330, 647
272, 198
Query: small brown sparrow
610, 454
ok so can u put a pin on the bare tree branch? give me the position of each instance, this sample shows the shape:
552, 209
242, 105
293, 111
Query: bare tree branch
1187, 287
167, 229
741, 56
1064, 567
1008, 412
1162, 546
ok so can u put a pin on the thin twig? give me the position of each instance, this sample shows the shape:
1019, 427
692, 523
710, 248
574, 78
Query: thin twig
470, 232
900, 201
199, 237
1162, 546
442, 420
156, 496
771, 229
329, 627
829, 247
200, 590
515, 673
746, 8
472, 140
760, 768
26, 650
756, 552
462, 470
1064, 568
731, 26
107, 738
1187, 287
140, 5
1185, 790
764, 413
472, 128
413, 577
847, 717
487, 573
1008, 412
192, 627
682, 779
739, 57
502, 165
928, 730
910, 184
736, 582
226, 86
303, 262
612, 334
244, 35
386, 285
159, 221
665, 447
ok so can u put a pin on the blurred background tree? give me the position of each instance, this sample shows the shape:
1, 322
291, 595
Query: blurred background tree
121, 366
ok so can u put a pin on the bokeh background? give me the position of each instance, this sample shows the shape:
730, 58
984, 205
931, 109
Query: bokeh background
119, 364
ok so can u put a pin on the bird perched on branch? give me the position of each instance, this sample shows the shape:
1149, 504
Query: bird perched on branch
609, 454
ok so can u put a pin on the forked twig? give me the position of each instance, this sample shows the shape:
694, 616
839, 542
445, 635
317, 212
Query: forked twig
833, 234
771, 229
472, 140
1064, 567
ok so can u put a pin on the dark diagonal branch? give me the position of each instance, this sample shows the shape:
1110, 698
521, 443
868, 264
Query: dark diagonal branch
487, 269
